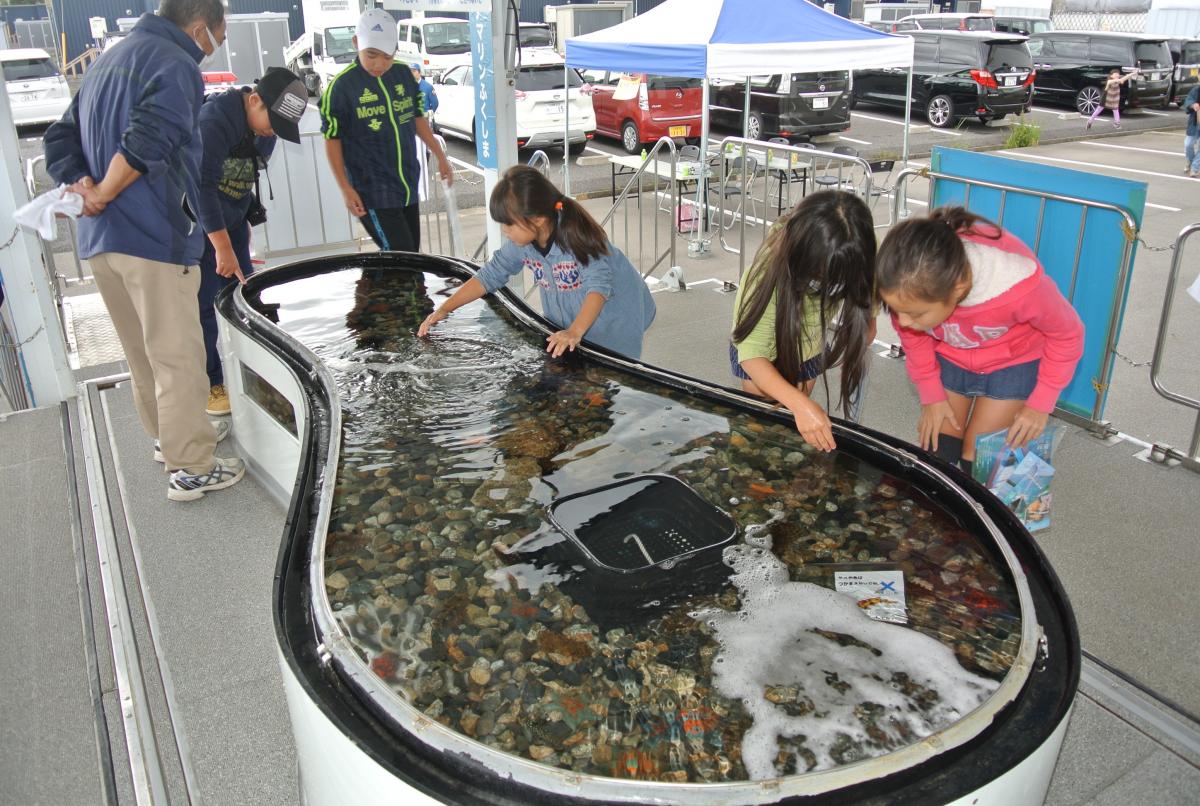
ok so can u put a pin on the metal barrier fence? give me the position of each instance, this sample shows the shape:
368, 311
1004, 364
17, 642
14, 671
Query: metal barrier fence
785, 162
664, 171
1160, 451
1129, 230
12, 378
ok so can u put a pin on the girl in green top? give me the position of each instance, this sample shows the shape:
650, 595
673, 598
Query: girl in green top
816, 269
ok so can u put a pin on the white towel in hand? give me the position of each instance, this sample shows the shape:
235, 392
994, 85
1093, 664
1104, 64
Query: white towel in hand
39, 213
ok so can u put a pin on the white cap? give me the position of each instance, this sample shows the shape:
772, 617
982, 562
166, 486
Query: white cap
376, 29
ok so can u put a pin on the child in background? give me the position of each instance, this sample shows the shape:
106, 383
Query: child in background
1112, 97
815, 268
431, 99
990, 340
588, 288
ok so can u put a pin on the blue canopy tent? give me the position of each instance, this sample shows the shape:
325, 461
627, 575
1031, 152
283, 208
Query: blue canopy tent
739, 38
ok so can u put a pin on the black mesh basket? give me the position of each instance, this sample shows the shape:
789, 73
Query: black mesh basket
640, 523
640, 546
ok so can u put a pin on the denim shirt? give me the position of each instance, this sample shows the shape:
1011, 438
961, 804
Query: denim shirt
1193, 127
563, 285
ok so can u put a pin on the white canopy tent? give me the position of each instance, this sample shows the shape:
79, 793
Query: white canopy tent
740, 38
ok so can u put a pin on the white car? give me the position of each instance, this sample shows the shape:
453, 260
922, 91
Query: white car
540, 104
37, 92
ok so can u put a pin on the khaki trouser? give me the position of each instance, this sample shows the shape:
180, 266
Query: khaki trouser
153, 308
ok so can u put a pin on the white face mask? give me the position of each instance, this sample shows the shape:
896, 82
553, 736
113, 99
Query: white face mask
209, 59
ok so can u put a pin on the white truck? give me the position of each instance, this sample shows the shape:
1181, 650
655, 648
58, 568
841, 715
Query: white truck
326, 46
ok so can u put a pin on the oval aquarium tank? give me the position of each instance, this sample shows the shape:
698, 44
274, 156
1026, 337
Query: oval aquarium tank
509, 578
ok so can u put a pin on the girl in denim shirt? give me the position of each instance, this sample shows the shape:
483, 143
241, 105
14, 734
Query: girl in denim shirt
588, 288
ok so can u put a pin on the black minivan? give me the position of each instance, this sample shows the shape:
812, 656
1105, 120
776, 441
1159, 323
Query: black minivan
1185, 53
789, 105
956, 74
1072, 67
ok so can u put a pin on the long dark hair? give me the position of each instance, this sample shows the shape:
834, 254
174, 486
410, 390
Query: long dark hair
923, 258
822, 251
524, 193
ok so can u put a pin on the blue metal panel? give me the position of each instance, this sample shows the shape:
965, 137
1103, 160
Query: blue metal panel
289, 7
71, 18
1096, 288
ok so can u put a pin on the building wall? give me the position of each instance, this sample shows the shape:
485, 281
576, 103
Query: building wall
289, 7
531, 10
71, 18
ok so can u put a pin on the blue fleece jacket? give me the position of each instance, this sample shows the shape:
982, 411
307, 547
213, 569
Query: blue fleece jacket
141, 99
227, 170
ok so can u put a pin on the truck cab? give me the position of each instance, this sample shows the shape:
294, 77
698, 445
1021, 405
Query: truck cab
435, 43
317, 56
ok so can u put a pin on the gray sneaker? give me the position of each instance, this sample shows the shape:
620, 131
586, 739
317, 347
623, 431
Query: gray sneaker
185, 486
222, 427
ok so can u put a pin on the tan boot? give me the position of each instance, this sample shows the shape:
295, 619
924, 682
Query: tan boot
218, 401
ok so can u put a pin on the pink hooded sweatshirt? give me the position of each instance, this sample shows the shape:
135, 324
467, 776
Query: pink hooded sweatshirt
1013, 314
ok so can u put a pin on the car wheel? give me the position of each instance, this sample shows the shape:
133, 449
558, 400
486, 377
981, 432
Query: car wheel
578, 148
1088, 99
754, 126
631, 138
940, 111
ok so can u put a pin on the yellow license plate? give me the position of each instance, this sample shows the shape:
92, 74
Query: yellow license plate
678, 131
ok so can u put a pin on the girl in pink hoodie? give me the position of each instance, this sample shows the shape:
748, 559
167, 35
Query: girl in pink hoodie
990, 340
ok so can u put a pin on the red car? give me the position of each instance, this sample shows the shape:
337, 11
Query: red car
639, 109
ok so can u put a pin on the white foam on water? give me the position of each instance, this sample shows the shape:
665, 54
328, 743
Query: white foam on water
770, 642
527, 576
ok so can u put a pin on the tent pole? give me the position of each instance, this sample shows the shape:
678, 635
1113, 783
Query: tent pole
567, 129
699, 233
746, 114
907, 113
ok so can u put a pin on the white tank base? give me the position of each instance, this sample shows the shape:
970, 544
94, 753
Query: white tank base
335, 771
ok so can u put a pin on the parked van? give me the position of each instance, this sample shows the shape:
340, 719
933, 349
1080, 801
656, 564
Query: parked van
639, 109
1073, 66
436, 43
1185, 53
1024, 25
945, 22
788, 105
956, 74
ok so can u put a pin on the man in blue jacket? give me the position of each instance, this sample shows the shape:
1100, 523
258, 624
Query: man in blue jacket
129, 145
238, 128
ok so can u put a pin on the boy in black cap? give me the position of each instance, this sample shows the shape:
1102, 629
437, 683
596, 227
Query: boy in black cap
238, 128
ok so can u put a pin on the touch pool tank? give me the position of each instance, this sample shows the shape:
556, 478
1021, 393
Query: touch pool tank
509, 578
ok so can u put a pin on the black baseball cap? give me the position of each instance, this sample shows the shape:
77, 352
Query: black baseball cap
286, 99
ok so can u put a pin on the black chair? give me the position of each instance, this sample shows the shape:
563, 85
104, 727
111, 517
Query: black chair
828, 179
688, 154
880, 188
735, 169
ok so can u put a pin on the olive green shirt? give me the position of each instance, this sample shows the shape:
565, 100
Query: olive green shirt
761, 341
